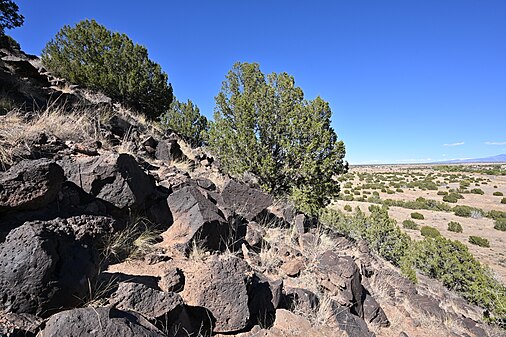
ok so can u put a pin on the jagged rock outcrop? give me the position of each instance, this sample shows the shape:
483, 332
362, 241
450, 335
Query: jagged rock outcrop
115, 178
107, 321
47, 266
150, 303
195, 218
30, 184
220, 285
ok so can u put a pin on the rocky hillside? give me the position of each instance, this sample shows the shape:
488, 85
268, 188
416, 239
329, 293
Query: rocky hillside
109, 227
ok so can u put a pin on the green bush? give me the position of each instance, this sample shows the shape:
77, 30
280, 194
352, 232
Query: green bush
409, 224
493, 214
500, 224
463, 211
91, 55
185, 119
450, 198
264, 125
347, 208
477, 191
429, 232
442, 193
452, 263
9, 16
479, 241
503, 201
417, 216
498, 194
454, 226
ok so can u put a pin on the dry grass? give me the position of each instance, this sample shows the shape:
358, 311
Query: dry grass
133, 242
77, 125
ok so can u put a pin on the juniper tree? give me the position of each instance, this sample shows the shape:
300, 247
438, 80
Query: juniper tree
186, 120
264, 125
9, 16
91, 55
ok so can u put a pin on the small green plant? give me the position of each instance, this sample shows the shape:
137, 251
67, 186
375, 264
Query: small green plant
417, 216
409, 224
500, 224
479, 241
442, 193
503, 201
429, 232
454, 226
477, 191
450, 198
463, 211
498, 194
347, 208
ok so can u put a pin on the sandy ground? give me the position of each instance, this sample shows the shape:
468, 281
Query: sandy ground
494, 257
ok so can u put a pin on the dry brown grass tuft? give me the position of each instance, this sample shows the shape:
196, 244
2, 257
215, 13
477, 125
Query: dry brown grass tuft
77, 125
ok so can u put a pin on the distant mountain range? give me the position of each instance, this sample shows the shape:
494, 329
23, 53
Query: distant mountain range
500, 158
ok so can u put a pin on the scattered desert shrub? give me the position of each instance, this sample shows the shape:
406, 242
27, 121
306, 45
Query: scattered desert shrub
463, 211
498, 194
347, 208
477, 191
91, 55
442, 193
454, 226
452, 263
493, 214
429, 232
479, 241
500, 224
417, 216
503, 201
450, 198
409, 224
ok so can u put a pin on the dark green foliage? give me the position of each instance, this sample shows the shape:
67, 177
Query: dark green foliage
503, 201
452, 263
493, 214
454, 226
500, 224
479, 241
442, 193
450, 198
9, 16
463, 211
418, 216
263, 125
498, 194
347, 208
409, 224
91, 55
185, 119
429, 232
477, 191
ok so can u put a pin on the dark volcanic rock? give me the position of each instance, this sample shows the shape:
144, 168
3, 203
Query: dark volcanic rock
244, 200
340, 275
373, 312
172, 280
195, 217
219, 285
15, 325
100, 322
264, 297
168, 150
148, 302
115, 178
46, 266
30, 184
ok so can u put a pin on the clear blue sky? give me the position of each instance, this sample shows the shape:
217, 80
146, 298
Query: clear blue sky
407, 80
